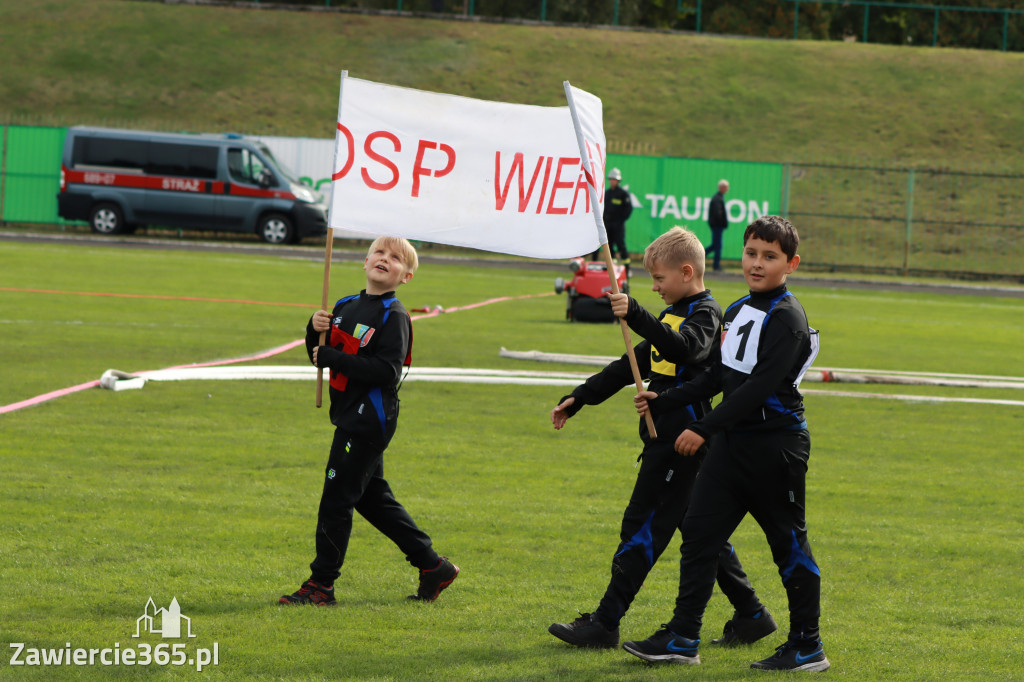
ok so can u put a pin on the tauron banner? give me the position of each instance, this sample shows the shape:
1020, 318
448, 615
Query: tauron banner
672, 191
454, 170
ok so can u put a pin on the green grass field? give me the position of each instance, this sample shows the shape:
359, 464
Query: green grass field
211, 69
207, 491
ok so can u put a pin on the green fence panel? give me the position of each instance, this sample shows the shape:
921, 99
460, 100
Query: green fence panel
32, 174
3, 166
672, 191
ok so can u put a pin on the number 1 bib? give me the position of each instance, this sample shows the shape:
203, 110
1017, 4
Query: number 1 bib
739, 348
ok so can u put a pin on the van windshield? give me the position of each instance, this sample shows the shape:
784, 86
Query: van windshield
285, 171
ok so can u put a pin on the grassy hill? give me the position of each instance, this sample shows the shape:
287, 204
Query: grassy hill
212, 68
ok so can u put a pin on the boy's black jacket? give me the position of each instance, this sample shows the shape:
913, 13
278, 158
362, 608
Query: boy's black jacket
368, 406
766, 399
678, 346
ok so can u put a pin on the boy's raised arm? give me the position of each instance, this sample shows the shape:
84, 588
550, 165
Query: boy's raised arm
692, 343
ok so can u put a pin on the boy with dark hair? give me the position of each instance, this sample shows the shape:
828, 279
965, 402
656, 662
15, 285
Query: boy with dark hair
757, 462
677, 347
370, 339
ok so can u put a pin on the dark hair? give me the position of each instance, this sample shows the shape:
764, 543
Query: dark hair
773, 228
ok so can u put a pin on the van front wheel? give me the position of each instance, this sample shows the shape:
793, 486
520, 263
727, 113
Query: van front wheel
275, 228
106, 219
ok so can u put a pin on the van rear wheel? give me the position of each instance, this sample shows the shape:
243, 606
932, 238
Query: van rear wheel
275, 228
106, 219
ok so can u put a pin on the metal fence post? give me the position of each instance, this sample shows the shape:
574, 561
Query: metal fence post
910, 221
796, 18
615, 21
698, 24
935, 28
867, 13
3, 173
1006, 20
787, 174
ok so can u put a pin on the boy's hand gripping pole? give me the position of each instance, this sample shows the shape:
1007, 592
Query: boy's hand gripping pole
323, 306
607, 253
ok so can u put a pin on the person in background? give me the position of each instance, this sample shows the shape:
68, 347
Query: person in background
718, 221
618, 205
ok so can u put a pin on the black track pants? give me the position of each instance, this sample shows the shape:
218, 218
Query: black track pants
654, 513
761, 474
355, 480
616, 242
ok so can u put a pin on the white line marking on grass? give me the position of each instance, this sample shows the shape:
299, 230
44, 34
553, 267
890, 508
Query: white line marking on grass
916, 398
490, 376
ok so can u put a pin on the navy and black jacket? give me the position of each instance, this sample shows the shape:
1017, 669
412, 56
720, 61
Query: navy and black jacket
766, 398
717, 217
369, 341
618, 206
678, 346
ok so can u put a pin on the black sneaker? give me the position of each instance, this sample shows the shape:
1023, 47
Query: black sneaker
586, 632
434, 580
665, 646
311, 594
747, 630
795, 656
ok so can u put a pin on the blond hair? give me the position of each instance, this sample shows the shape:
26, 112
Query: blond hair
676, 247
402, 246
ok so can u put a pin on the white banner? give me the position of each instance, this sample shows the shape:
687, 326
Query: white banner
453, 170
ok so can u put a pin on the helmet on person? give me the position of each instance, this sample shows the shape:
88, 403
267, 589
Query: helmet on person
614, 174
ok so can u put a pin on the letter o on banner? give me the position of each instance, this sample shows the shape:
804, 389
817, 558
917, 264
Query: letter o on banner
338, 175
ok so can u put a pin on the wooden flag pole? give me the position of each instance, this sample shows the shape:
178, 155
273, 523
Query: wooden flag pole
595, 200
324, 301
607, 252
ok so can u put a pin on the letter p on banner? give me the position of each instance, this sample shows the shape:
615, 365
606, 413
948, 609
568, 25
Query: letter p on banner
421, 165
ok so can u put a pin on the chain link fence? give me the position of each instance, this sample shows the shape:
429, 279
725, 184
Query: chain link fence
907, 221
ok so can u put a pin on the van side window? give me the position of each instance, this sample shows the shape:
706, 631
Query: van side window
245, 167
191, 161
140, 156
110, 153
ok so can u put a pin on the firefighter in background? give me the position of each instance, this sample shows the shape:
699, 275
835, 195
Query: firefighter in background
618, 205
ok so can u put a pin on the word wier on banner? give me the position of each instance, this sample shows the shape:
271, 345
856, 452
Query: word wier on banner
550, 185
418, 170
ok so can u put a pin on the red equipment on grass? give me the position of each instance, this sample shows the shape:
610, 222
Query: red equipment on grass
586, 291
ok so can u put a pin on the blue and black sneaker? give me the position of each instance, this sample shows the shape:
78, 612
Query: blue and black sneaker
747, 630
808, 657
665, 646
587, 632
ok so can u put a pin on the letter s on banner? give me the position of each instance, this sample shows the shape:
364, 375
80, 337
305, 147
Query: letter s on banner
384, 161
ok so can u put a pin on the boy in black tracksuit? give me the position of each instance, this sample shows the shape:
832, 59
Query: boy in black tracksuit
677, 348
369, 340
757, 462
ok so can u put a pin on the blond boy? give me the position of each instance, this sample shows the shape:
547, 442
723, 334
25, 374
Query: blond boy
369, 339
